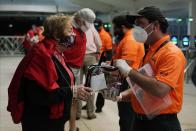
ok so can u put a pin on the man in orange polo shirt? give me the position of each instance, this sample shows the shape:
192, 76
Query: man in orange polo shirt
106, 48
132, 52
105, 36
167, 62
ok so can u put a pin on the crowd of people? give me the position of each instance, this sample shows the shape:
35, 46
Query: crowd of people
48, 86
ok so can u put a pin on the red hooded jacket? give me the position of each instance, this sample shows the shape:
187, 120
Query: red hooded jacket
36, 65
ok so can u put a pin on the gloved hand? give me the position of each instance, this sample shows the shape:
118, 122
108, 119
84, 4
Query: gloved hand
81, 92
109, 94
123, 66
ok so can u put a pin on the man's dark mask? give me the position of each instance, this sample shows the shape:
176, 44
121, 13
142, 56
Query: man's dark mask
118, 34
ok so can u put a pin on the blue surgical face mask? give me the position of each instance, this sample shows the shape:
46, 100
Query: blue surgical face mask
140, 34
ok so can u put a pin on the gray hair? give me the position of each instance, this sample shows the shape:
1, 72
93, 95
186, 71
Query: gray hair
85, 14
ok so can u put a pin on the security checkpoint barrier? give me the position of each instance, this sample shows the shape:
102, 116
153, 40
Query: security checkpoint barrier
11, 45
189, 69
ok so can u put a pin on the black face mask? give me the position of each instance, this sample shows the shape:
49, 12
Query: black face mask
97, 27
67, 40
118, 34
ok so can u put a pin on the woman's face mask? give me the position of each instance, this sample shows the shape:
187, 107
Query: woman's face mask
67, 41
140, 34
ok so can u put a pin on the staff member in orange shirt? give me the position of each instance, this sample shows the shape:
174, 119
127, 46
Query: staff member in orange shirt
106, 48
128, 50
106, 39
167, 62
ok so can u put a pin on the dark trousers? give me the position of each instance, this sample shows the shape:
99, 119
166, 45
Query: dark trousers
125, 112
41, 127
126, 116
43, 123
159, 123
100, 101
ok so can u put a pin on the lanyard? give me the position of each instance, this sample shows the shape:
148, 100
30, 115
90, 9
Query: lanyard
163, 44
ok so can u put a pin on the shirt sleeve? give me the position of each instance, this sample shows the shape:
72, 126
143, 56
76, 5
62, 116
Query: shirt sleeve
37, 95
129, 50
108, 42
97, 39
169, 69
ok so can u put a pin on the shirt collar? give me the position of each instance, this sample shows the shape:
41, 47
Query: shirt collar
159, 42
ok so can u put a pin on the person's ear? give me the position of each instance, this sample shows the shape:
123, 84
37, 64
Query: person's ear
156, 26
124, 29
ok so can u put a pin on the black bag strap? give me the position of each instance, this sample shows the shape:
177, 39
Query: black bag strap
103, 57
163, 44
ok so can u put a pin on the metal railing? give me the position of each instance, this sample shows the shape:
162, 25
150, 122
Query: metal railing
189, 69
11, 45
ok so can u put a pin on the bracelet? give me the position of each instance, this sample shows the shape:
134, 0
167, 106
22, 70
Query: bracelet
75, 90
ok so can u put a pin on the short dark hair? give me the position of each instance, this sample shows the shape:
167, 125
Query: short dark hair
121, 20
153, 13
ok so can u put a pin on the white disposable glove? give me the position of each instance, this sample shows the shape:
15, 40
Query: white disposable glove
123, 66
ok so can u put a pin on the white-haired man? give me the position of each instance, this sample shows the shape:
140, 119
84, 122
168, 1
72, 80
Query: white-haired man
82, 21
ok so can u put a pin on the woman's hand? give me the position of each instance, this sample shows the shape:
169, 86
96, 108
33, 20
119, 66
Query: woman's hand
82, 92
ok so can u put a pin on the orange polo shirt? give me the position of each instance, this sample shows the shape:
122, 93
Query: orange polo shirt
168, 65
106, 40
130, 50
